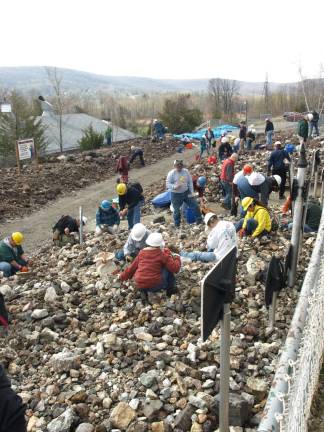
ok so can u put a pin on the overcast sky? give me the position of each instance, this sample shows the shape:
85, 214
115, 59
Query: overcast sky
167, 38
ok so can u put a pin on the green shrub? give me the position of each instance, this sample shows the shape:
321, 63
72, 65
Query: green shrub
91, 139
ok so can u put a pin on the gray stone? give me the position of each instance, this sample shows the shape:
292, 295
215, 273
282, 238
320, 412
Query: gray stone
64, 361
85, 427
63, 422
239, 409
152, 407
48, 335
6, 290
148, 379
183, 419
39, 314
50, 295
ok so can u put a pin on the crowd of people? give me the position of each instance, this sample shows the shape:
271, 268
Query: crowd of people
146, 257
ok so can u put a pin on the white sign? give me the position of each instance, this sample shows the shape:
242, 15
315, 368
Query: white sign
5, 107
26, 149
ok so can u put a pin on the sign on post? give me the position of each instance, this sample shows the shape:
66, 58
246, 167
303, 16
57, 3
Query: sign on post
217, 292
25, 149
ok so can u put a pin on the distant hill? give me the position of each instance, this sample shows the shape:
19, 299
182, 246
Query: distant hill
34, 80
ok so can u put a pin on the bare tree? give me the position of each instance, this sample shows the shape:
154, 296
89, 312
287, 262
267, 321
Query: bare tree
56, 79
215, 90
223, 92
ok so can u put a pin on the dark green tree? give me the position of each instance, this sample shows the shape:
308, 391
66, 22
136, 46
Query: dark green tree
179, 115
91, 139
21, 123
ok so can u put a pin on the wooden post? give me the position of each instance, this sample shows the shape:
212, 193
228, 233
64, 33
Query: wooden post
17, 158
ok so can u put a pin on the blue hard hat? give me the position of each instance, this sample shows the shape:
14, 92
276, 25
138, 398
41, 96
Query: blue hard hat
105, 205
202, 181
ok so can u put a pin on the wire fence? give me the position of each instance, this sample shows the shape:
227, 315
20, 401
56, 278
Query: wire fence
294, 385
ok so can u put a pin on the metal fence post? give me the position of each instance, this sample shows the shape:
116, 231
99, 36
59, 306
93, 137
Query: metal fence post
81, 224
225, 370
272, 310
298, 215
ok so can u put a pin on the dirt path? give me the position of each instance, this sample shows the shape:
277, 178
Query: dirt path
37, 226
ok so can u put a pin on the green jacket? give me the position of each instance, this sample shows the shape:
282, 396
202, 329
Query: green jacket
9, 254
303, 129
108, 132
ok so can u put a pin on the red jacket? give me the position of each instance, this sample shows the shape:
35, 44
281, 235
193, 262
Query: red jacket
122, 165
227, 173
147, 267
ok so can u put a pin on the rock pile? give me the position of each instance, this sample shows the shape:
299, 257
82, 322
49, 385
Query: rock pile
86, 355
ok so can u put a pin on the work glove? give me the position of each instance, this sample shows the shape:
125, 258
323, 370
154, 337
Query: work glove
24, 269
242, 233
129, 258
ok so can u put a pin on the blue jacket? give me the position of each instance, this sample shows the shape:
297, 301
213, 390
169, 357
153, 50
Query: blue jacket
109, 217
277, 158
245, 189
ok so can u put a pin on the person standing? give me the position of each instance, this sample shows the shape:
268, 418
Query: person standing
209, 137
203, 146
122, 168
242, 136
225, 149
179, 182
314, 124
269, 131
137, 152
250, 137
108, 135
159, 129
278, 166
130, 201
303, 128
226, 177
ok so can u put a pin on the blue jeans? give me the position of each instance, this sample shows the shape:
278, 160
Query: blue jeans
199, 256
311, 127
168, 281
5, 267
177, 199
228, 194
251, 226
248, 144
307, 228
269, 137
134, 215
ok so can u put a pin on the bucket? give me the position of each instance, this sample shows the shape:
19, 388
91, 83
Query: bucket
190, 215
189, 146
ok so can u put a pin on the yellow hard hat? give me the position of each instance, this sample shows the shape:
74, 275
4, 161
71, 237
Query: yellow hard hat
246, 202
18, 238
121, 189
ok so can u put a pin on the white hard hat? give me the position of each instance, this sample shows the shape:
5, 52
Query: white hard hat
155, 240
255, 179
84, 220
251, 126
138, 232
277, 143
155, 120
224, 140
133, 147
208, 216
277, 178
309, 117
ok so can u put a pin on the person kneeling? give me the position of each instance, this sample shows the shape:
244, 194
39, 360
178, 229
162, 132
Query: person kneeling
12, 256
257, 221
107, 218
221, 239
66, 230
154, 267
136, 241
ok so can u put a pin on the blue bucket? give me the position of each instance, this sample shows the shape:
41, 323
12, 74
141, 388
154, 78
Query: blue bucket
190, 215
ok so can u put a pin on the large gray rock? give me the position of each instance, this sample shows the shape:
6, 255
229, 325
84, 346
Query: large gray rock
183, 419
85, 427
64, 361
63, 422
152, 407
239, 409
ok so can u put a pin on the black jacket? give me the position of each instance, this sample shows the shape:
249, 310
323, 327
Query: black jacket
12, 410
269, 126
66, 222
133, 196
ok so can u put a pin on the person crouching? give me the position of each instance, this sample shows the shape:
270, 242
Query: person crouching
257, 222
154, 267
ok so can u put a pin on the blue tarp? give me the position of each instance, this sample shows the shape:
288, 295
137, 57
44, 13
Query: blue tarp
217, 132
163, 199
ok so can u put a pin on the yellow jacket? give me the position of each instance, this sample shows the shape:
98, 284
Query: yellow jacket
262, 216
